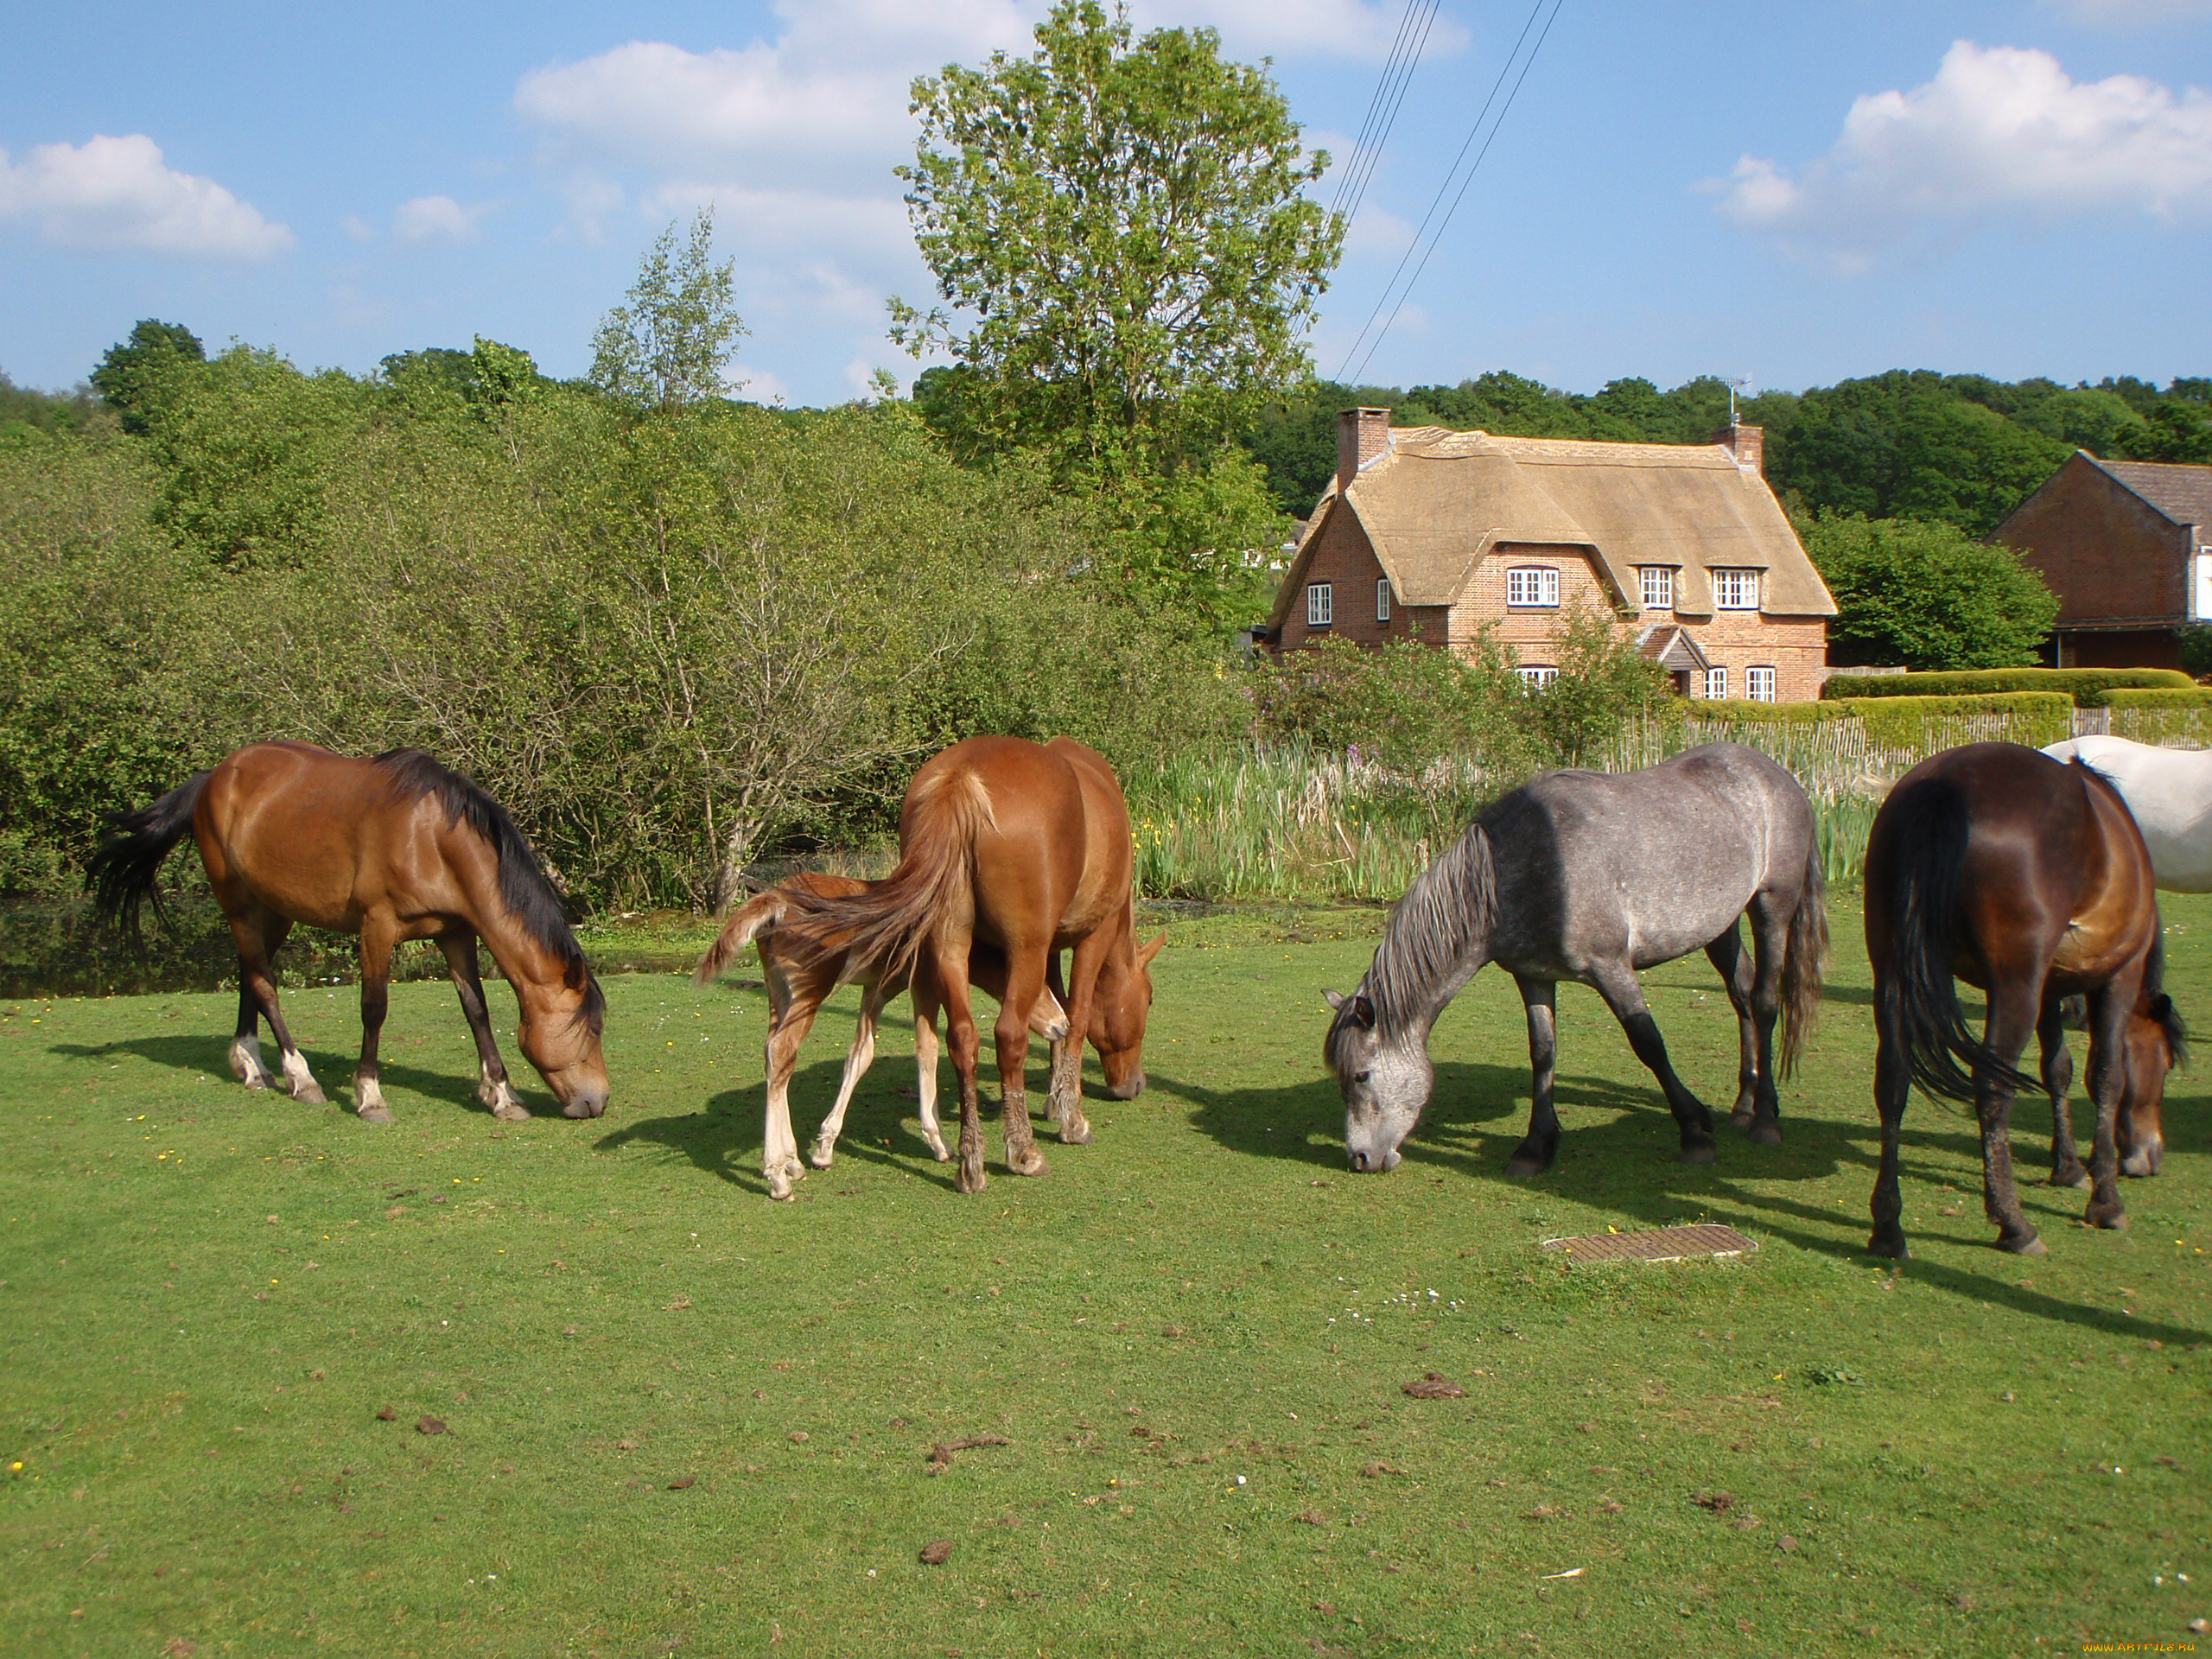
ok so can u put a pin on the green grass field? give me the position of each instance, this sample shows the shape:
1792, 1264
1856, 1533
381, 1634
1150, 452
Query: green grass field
679, 1418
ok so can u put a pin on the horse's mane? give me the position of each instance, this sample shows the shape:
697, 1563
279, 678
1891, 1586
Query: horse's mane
529, 897
1450, 904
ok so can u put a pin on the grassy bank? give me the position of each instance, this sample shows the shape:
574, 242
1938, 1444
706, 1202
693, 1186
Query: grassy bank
680, 1418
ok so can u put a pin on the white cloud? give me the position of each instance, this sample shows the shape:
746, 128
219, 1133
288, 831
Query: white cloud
436, 218
357, 227
110, 195
755, 385
1998, 132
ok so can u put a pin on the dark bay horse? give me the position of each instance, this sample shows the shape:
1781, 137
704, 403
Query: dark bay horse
1591, 876
800, 979
1024, 846
393, 848
2029, 878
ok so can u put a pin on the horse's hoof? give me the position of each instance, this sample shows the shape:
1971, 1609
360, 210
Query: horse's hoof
513, 1112
2113, 1220
1766, 1134
1742, 1116
1696, 1152
1025, 1160
2027, 1243
1525, 1169
311, 1096
1076, 1133
1889, 1241
2077, 1177
255, 1082
375, 1114
969, 1180
939, 1151
822, 1157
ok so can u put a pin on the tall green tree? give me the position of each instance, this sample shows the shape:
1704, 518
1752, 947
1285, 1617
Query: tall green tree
673, 342
143, 376
1119, 228
1925, 594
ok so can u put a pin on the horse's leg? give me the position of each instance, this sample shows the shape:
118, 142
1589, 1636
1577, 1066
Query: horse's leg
1535, 1152
1892, 1089
925, 1051
1024, 982
2014, 1005
793, 1018
1730, 961
247, 1063
493, 1090
2110, 1008
858, 1058
376, 941
2057, 1080
1085, 962
260, 934
1616, 984
1770, 945
962, 1037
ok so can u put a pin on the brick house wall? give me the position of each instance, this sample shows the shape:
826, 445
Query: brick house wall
1342, 557
2119, 566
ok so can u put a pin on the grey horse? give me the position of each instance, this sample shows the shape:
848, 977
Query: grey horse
1591, 876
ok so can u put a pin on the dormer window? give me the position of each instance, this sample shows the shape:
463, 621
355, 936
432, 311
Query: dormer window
1532, 585
1736, 590
1658, 587
1320, 604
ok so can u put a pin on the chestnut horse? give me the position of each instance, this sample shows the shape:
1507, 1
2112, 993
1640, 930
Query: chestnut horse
1025, 847
393, 848
2029, 878
800, 980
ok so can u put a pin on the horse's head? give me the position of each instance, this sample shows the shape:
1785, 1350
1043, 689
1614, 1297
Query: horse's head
1122, 1003
1386, 1082
2157, 1042
560, 1035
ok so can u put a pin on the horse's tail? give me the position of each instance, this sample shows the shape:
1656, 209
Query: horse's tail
758, 915
1917, 997
124, 873
886, 924
1804, 954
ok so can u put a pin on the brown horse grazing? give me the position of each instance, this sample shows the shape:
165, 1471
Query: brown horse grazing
2157, 1043
1025, 847
393, 848
2029, 878
800, 980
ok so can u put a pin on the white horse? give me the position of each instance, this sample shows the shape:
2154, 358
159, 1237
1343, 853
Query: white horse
2169, 792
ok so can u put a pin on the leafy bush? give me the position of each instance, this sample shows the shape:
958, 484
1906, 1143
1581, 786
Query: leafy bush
2087, 688
1926, 594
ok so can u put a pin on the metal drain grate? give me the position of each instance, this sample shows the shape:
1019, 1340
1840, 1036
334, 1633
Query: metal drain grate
1658, 1244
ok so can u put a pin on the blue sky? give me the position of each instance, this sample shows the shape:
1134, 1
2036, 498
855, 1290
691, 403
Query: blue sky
1819, 189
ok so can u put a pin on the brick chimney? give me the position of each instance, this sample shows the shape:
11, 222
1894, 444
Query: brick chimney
1362, 435
1746, 444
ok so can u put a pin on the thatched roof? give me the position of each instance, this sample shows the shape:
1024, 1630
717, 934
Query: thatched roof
1438, 502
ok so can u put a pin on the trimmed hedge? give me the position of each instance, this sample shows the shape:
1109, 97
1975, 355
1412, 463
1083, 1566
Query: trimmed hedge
2164, 716
2089, 688
2196, 697
2037, 717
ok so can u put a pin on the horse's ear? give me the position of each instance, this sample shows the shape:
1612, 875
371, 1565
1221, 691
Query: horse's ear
1363, 1010
1335, 1000
1150, 948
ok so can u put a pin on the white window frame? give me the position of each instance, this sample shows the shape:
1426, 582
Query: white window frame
1320, 604
1537, 675
1736, 590
1759, 683
1541, 581
1382, 599
1658, 586
1716, 683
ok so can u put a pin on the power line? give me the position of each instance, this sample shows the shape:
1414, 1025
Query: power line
1473, 132
1406, 48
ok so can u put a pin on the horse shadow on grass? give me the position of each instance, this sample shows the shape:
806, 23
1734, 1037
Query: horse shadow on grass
1478, 1113
723, 1138
335, 1072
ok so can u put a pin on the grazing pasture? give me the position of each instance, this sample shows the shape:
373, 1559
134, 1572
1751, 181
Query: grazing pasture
676, 1419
